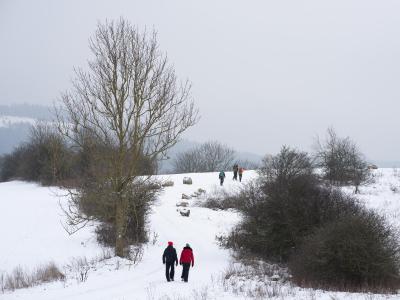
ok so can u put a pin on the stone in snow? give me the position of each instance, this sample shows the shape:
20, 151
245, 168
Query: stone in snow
187, 180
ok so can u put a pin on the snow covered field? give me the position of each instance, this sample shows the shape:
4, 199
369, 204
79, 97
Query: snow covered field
31, 234
31, 231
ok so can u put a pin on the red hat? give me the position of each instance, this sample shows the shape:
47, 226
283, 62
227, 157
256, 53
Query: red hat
170, 243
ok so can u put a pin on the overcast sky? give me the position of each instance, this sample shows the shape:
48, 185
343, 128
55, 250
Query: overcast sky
264, 73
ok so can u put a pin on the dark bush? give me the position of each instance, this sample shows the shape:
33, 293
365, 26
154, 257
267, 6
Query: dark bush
9, 166
274, 225
100, 205
286, 205
354, 253
105, 234
48, 159
45, 158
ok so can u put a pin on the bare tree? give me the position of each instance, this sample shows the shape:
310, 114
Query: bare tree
52, 152
341, 161
211, 156
286, 166
44, 157
130, 101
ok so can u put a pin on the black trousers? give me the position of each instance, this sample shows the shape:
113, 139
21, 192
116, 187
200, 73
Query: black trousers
221, 180
185, 271
235, 175
240, 177
169, 270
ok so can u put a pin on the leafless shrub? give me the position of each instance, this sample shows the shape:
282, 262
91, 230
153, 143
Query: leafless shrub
288, 165
104, 255
79, 267
20, 278
48, 273
221, 199
341, 161
135, 254
395, 186
154, 238
253, 281
201, 294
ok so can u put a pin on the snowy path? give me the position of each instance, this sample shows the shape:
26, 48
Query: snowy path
146, 280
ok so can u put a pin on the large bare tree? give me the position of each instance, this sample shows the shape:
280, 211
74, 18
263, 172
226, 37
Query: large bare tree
129, 100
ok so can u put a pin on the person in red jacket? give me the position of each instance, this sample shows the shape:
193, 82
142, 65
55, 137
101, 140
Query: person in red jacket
186, 259
241, 170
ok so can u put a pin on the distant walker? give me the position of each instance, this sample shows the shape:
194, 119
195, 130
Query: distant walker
221, 178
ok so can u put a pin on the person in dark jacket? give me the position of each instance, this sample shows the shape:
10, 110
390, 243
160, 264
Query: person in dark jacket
235, 171
170, 258
221, 178
185, 260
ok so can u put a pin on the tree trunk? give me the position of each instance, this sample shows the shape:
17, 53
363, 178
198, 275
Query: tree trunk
119, 226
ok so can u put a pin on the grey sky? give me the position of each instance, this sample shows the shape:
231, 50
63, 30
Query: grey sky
264, 73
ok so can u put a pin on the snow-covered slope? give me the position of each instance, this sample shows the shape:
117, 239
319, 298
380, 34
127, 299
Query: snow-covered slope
7, 121
30, 228
32, 234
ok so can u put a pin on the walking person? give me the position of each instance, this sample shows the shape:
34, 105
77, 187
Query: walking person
235, 171
169, 259
241, 170
185, 260
221, 178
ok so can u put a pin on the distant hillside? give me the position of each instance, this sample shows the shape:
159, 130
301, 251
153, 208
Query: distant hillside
12, 136
16, 121
39, 112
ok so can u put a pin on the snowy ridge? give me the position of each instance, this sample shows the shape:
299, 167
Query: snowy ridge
7, 121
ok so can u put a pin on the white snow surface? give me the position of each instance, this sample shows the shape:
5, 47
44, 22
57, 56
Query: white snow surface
31, 231
31, 234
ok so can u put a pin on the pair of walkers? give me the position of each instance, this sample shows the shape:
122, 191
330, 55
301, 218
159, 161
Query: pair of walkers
170, 259
237, 170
